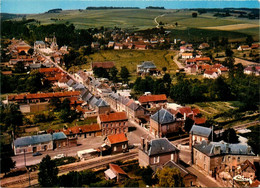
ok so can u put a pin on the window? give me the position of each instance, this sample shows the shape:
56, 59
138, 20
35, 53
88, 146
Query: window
204, 166
157, 159
204, 158
172, 156
124, 146
115, 148
228, 159
238, 159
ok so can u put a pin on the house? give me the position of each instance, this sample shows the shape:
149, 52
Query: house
189, 179
215, 156
83, 131
243, 48
146, 67
203, 46
111, 44
163, 123
113, 123
95, 45
102, 106
157, 152
140, 46
148, 101
44, 142
247, 169
22, 46
39, 45
191, 68
105, 65
211, 74
117, 142
186, 55
115, 172
186, 48
252, 70
118, 46
255, 46
198, 134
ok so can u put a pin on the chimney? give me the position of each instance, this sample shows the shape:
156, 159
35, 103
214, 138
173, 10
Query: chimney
107, 112
142, 143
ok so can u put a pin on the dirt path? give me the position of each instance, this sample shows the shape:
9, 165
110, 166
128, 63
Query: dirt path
155, 20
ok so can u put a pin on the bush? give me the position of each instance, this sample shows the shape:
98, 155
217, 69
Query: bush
103, 183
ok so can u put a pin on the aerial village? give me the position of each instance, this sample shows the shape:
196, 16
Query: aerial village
112, 125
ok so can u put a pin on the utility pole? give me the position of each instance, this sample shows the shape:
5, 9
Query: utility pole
26, 168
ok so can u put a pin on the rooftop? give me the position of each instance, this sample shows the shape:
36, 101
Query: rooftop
163, 117
116, 116
152, 98
160, 146
200, 131
117, 138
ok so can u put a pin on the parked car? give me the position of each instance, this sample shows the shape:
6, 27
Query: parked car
36, 154
58, 156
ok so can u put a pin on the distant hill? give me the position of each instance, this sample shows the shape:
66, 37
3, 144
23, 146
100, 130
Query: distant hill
56, 10
104, 8
7, 16
151, 7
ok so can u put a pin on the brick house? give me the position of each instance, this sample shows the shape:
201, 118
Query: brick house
163, 123
83, 131
189, 179
157, 152
148, 101
115, 172
216, 156
198, 134
117, 142
113, 123
44, 142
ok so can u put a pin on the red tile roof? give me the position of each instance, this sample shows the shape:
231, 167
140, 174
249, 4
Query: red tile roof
116, 169
105, 65
256, 183
82, 129
196, 111
186, 110
202, 59
117, 138
209, 72
45, 70
152, 98
199, 121
247, 164
116, 116
217, 65
43, 95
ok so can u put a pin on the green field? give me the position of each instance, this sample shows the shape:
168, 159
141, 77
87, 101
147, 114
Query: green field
131, 58
138, 19
224, 113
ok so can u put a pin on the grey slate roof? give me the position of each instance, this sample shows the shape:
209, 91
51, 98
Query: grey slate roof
200, 131
148, 65
70, 82
101, 103
35, 66
93, 101
37, 139
88, 97
164, 117
160, 146
39, 42
114, 96
74, 86
84, 92
225, 148
80, 87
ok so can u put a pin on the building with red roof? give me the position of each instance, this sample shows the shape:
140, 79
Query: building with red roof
113, 123
115, 172
105, 65
147, 101
83, 131
117, 142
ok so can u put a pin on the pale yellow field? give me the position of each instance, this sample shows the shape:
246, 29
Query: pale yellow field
232, 27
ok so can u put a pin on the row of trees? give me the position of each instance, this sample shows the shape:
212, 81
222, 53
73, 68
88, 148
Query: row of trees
48, 177
32, 83
237, 86
112, 74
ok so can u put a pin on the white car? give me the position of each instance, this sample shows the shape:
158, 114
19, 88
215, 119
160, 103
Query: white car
58, 156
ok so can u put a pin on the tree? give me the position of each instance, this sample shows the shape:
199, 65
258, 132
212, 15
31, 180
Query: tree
124, 74
131, 183
164, 69
194, 15
7, 162
170, 177
147, 175
230, 136
30, 51
249, 40
113, 74
229, 52
48, 172
19, 67
12, 117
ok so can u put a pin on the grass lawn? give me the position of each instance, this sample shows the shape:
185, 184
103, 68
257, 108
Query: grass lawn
132, 58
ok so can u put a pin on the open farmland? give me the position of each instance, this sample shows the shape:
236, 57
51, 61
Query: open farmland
139, 19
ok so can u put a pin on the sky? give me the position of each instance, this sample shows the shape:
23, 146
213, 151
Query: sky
41, 6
